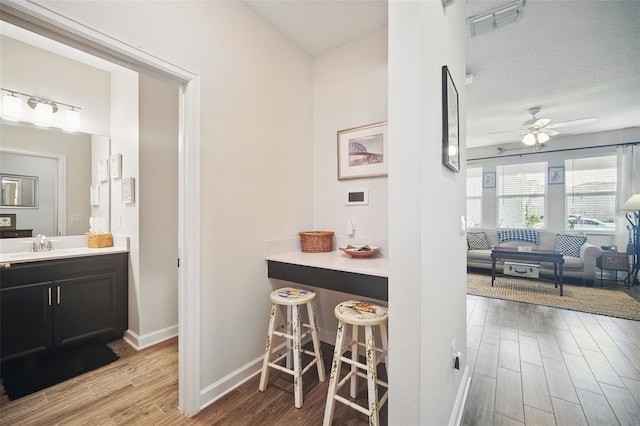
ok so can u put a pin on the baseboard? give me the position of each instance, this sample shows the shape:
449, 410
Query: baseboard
220, 388
140, 342
461, 399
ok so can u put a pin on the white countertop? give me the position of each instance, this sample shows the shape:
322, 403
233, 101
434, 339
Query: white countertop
337, 260
16, 250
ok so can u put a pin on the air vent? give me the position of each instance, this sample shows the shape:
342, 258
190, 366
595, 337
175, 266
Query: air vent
494, 19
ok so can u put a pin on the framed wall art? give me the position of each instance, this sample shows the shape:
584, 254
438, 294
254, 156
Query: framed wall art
489, 179
116, 166
128, 190
450, 123
556, 175
362, 151
8, 221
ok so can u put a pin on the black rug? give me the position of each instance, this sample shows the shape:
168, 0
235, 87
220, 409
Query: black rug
33, 373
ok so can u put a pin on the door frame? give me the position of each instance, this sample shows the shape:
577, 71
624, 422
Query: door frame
53, 25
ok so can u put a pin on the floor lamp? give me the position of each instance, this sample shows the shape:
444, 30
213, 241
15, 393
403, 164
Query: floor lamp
632, 207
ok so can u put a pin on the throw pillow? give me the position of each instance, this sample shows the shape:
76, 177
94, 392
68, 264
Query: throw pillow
477, 241
569, 245
527, 235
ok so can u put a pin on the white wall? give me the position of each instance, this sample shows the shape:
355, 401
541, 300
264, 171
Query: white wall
124, 140
427, 279
75, 148
158, 201
256, 153
349, 90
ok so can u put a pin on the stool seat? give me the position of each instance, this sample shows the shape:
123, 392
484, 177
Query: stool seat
291, 296
291, 331
354, 314
361, 313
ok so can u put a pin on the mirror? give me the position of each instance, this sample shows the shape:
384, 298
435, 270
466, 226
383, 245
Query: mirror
19, 191
63, 167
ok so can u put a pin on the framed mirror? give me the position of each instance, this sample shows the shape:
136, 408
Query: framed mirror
19, 191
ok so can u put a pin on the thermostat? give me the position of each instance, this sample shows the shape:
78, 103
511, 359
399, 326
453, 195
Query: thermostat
357, 198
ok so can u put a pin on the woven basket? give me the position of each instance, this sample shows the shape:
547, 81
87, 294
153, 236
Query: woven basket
316, 241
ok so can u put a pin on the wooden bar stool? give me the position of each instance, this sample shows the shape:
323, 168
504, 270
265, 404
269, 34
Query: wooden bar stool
293, 299
356, 313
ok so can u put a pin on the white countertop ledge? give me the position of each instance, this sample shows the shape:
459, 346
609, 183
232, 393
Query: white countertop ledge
376, 265
16, 251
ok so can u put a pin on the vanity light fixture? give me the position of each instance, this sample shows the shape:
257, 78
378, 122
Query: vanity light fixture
44, 110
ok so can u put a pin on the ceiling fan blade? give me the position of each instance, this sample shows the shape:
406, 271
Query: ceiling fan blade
515, 132
541, 122
549, 131
572, 122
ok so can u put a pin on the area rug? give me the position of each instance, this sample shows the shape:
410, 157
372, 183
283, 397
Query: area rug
612, 303
33, 373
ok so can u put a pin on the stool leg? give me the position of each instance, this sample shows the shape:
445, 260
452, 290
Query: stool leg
289, 330
355, 349
374, 416
385, 345
316, 341
334, 375
264, 376
297, 358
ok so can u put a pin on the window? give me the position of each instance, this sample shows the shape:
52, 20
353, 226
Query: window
521, 195
474, 197
590, 188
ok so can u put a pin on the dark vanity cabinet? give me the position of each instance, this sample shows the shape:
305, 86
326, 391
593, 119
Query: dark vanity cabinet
51, 304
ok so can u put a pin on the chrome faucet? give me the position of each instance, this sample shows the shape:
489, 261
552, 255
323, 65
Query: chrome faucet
42, 245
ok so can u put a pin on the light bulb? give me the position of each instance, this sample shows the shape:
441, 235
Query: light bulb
453, 150
72, 120
11, 107
543, 137
529, 139
44, 114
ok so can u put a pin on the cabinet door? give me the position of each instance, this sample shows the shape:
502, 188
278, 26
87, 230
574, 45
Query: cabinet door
85, 307
25, 319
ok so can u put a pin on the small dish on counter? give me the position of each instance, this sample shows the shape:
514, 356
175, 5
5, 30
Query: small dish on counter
360, 250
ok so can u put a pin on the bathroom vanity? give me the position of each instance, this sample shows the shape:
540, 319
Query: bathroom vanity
56, 301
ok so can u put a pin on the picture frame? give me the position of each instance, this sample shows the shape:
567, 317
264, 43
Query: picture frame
450, 122
128, 190
489, 179
362, 151
555, 175
95, 195
115, 166
103, 170
8, 221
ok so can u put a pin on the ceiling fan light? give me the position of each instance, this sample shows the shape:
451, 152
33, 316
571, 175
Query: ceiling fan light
543, 137
529, 139
11, 107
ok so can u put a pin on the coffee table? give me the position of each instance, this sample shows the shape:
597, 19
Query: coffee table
512, 253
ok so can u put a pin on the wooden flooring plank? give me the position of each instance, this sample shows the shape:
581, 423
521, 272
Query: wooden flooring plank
633, 386
509, 400
581, 373
601, 369
620, 363
596, 408
568, 413
480, 407
599, 335
529, 350
559, 381
583, 338
506, 421
533, 416
535, 392
487, 361
509, 354
491, 333
566, 342
549, 346
626, 409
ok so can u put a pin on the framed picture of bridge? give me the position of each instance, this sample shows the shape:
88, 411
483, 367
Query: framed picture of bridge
362, 151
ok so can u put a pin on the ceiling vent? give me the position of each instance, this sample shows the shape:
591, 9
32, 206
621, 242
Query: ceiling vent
495, 18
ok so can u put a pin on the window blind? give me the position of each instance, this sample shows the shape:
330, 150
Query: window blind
474, 197
521, 192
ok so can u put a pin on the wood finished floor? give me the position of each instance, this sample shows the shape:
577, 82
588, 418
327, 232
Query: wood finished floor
530, 365
535, 365
141, 388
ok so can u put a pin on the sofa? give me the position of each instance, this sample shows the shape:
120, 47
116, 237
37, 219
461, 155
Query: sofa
579, 255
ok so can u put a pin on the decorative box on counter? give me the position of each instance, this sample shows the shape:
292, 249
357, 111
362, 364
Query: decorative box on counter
99, 240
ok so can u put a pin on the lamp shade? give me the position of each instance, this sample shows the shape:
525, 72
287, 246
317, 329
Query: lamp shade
529, 139
632, 204
11, 107
543, 137
44, 114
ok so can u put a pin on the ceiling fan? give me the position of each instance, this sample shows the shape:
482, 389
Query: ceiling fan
539, 130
